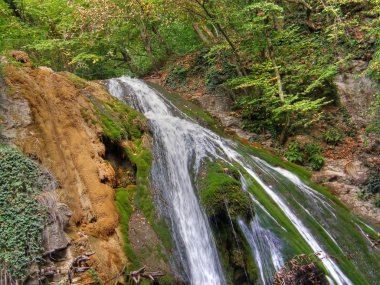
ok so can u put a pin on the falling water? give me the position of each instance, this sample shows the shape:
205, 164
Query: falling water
178, 142
180, 145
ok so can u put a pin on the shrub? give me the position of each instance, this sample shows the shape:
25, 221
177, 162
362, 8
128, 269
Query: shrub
314, 155
373, 183
333, 136
363, 195
176, 77
301, 269
376, 201
294, 153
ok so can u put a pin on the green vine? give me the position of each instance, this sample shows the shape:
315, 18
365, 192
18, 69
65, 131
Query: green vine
22, 217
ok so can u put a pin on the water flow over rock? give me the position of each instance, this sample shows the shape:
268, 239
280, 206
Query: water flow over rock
178, 143
179, 147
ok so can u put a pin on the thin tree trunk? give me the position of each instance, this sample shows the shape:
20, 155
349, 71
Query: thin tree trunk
200, 34
281, 95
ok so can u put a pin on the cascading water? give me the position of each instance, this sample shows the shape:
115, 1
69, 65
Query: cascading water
300, 212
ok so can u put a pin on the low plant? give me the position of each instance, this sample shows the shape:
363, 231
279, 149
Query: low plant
176, 77
376, 201
301, 269
22, 217
314, 155
333, 136
373, 183
310, 154
294, 153
364, 195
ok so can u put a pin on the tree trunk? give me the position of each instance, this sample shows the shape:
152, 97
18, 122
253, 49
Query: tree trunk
200, 34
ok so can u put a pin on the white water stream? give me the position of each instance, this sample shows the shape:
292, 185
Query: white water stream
179, 147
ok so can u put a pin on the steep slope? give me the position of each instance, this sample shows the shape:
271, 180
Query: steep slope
65, 123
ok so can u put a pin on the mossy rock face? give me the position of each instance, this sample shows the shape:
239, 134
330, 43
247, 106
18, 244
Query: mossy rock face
221, 192
223, 198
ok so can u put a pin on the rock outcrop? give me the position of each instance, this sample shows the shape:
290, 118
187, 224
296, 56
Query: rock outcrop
42, 114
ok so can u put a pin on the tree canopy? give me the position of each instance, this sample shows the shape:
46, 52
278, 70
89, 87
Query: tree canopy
284, 54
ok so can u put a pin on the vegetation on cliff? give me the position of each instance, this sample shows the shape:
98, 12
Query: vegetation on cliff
22, 216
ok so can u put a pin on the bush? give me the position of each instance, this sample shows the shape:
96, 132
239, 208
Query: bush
310, 154
294, 153
176, 77
364, 195
314, 155
333, 136
376, 201
373, 183
301, 270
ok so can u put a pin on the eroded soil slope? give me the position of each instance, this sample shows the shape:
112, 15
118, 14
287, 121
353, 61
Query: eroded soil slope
61, 120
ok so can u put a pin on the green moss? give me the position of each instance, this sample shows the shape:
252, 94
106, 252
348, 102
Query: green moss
220, 190
124, 203
118, 120
78, 82
222, 197
234, 251
22, 217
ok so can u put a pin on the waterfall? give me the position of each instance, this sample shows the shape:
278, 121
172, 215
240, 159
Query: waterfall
179, 147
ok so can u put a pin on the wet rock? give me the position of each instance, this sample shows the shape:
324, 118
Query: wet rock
215, 103
106, 172
342, 170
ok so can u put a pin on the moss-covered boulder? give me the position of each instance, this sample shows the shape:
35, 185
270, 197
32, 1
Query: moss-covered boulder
225, 201
221, 192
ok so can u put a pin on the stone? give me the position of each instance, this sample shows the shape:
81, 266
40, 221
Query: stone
54, 237
356, 91
356, 171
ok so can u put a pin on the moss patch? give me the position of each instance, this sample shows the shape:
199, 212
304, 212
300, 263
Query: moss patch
223, 198
220, 190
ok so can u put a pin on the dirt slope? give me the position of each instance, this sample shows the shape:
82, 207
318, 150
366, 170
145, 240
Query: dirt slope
44, 118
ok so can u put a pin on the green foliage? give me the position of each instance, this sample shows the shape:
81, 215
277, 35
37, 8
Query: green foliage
309, 154
294, 153
376, 201
314, 155
95, 277
176, 77
373, 183
374, 126
333, 136
22, 217
221, 192
371, 190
